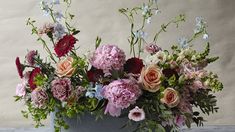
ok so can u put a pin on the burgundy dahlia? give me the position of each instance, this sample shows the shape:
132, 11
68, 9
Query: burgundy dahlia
33, 74
64, 45
19, 67
61, 88
94, 74
134, 65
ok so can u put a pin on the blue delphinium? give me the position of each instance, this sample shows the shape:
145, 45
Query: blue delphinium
95, 92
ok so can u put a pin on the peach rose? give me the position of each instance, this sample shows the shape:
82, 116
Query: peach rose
171, 97
65, 68
150, 78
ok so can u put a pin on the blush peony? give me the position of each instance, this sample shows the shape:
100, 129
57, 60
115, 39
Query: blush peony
108, 57
120, 94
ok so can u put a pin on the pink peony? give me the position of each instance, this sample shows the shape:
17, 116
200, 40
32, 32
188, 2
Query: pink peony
108, 57
61, 88
136, 114
30, 57
152, 48
21, 89
120, 94
39, 97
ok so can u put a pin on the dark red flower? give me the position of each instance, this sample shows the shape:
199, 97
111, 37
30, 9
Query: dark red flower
94, 74
170, 72
33, 74
64, 45
134, 65
19, 67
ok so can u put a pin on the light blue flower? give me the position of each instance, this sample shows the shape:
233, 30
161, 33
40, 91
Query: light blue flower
45, 7
58, 15
183, 42
98, 89
95, 92
55, 2
140, 34
59, 31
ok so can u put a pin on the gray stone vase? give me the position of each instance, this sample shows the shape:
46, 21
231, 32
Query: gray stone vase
87, 123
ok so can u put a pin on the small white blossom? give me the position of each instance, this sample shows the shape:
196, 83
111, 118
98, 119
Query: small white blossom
149, 20
55, 2
205, 36
183, 42
145, 9
157, 11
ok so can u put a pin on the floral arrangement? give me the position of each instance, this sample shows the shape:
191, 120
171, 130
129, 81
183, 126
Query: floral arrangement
156, 93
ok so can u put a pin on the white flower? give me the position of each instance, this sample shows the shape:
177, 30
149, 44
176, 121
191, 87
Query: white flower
157, 11
149, 20
205, 36
183, 42
154, 59
145, 9
136, 114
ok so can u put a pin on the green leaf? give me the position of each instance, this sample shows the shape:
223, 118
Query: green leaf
97, 42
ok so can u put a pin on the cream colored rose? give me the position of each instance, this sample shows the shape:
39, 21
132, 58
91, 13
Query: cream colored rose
171, 97
150, 78
65, 68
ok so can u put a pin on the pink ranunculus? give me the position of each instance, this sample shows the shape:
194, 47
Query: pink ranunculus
21, 89
136, 114
108, 57
61, 88
121, 94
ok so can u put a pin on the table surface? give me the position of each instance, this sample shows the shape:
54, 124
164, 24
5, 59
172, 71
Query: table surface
194, 129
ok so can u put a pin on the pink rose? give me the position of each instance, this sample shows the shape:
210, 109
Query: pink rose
170, 97
65, 67
150, 78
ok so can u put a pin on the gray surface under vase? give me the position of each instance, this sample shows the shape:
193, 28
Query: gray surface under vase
87, 123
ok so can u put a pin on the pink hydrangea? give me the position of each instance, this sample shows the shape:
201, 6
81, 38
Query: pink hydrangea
108, 57
120, 94
30, 57
39, 97
61, 88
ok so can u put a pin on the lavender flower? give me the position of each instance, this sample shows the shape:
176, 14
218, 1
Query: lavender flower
59, 31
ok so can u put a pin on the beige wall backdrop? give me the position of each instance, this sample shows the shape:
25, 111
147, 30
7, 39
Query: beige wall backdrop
101, 17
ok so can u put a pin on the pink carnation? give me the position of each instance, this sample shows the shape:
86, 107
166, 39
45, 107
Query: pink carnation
61, 88
108, 57
152, 48
30, 57
120, 94
21, 89
39, 97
